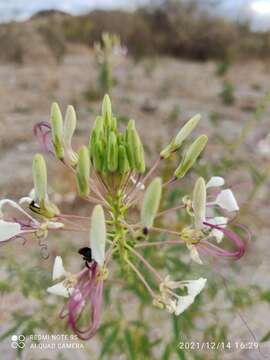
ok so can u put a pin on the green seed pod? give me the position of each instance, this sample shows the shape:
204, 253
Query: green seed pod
112, 153
69, 128
176, 142
98, 235
151, 202
57, 130
40, 178
83, 172
98, 156
123, 164
191, 156
199, 202
107, 112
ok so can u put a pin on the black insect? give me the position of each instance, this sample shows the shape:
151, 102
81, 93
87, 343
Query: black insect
86, 254
145, 231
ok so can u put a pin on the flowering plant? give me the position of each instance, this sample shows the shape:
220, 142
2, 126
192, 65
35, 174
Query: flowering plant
111, 174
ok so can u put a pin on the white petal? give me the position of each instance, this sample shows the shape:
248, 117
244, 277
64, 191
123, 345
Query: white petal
195, 286
183, 303
227, 201
60, 290
194, 254
8, 230
58, 268
98, 235
25, 200
215, 181
10, 210
219, 221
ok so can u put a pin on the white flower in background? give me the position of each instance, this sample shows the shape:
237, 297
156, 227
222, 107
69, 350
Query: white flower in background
65, 287
175, 303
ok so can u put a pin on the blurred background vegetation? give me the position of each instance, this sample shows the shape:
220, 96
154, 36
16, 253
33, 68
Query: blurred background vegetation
169, 61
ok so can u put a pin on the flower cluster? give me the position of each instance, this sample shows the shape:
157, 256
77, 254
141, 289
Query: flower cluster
110, 173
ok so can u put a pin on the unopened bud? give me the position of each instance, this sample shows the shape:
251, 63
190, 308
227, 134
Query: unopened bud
123, 163
107, 111
98, 157
176, 142
112, 153
83, 172
57, 130
69, 128
191, 156
40, 178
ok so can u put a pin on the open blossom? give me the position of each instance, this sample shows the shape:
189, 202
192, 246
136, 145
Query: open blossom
16, 223
174, 303
84, 290
207, 227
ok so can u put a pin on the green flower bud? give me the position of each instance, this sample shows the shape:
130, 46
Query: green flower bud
199, 202
151, 202
42, 205
123, 164
107, 111
112, 153
98, 156
98, 235
40, 178
99, 124
69, 128
135, 150
83, 172
114, 124
57, 130
191, 156
176, 142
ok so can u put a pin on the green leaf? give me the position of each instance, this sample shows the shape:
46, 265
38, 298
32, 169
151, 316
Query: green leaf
109, 342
